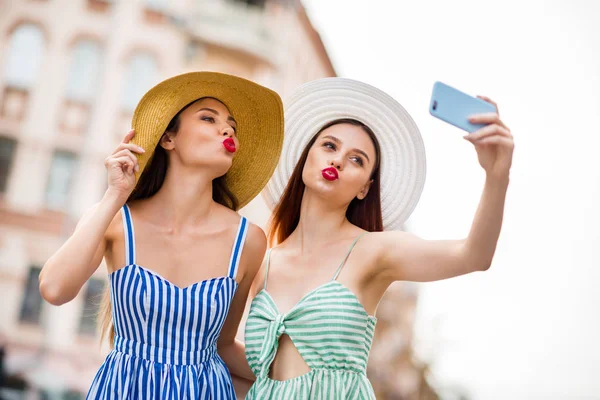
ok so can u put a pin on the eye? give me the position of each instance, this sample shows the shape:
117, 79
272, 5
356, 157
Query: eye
358, 160
329, 145
208, 119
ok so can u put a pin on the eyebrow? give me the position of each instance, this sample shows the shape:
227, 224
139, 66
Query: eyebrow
334, 139
229, 118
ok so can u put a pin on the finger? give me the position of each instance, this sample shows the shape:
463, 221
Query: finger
486, 119
122, 161
113, 161
488, 100
128, 167
125, 163
126, 153
129, 146
129, 136
488, 130
496, 140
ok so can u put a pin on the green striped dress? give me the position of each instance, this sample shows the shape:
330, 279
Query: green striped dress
332, 332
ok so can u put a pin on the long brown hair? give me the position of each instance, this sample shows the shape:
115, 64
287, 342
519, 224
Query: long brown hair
365, 213
150, 182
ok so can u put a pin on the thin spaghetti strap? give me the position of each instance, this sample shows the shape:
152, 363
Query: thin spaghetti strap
267, 269
129, 235
238, 247
337, 273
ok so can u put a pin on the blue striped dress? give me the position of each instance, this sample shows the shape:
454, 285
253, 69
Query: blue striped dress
165, 335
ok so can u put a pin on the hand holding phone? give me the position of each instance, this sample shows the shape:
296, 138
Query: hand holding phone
455, 107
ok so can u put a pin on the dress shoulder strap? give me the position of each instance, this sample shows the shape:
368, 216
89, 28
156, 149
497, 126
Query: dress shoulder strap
238, 247
129, 235
337, 273
267, 267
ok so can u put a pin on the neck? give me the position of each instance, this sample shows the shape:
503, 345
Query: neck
320, 222
184, 198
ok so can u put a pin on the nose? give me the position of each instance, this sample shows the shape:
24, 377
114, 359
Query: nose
336, 163
228, 131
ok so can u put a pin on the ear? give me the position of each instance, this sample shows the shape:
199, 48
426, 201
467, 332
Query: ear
364, 191
167, 141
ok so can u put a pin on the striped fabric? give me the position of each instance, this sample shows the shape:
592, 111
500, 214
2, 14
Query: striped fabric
333, 334
165, 335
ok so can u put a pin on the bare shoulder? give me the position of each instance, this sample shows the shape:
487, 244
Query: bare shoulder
227, 215
259, 280
373, 247
255, 236
255, 242
388, 253
379, 240
254, 249
115, 239
115, 229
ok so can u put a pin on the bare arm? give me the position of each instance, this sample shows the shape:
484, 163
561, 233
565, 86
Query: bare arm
65, 273
71, 266
231, 350
403, 256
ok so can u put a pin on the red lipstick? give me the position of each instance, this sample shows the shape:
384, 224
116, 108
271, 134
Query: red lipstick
330, 174
229, 145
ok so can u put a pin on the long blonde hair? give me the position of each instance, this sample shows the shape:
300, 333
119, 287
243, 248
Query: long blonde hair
105, 318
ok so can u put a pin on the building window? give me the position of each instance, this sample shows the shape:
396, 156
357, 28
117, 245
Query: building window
21, 70
155, 11
156, 5
254, 3
92, 300
59, 181
7, 151
141, 75
84, 74
82, 87
101, 6
31, 306
194, 50
24, 57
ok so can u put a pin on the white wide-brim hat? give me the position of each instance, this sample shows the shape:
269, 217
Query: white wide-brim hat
402, 166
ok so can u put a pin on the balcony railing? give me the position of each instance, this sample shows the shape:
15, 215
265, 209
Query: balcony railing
236, 25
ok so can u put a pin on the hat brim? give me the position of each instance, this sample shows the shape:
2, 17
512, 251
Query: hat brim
258, 112
403, 162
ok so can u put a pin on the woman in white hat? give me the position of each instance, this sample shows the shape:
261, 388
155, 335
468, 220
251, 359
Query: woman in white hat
204, 144
353, 171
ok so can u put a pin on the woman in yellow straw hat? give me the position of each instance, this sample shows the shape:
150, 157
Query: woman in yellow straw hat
353, 173
203, 145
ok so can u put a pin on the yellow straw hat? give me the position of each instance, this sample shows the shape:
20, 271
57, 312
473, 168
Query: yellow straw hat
257, 110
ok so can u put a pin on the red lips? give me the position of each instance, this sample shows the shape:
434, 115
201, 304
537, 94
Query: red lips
229, 145
330, 174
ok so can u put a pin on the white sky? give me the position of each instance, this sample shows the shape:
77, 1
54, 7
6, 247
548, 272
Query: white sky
529, 328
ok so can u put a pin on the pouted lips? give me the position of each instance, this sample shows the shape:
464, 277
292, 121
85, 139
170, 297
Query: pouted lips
229, 145
330, 174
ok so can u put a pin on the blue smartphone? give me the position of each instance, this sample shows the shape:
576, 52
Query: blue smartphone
455, 107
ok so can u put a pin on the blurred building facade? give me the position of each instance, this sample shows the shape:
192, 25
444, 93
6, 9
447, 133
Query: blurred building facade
71, 73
